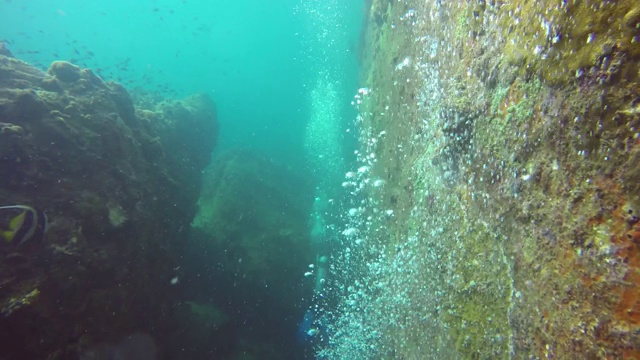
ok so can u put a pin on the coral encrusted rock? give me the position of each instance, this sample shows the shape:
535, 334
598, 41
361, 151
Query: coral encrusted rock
72, 146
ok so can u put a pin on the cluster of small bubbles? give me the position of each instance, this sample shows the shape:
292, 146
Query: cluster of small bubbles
357, 100
325, 57
380, 287
404, 63
363, 170
353, 327
410, 14
350, 232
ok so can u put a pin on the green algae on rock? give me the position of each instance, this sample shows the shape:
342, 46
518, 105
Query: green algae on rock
510, 150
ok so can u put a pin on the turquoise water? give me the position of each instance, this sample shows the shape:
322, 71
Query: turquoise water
282, 75
258, 60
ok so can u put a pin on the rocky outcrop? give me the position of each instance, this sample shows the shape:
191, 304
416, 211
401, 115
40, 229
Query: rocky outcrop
119, 186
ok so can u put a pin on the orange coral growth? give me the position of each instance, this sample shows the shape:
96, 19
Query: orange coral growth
631, 354
628, 307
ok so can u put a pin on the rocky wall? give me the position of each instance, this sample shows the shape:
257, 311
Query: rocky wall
506, 134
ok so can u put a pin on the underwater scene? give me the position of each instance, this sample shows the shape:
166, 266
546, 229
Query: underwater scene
319, 179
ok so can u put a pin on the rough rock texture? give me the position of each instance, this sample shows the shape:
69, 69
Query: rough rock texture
511, 155
119, 187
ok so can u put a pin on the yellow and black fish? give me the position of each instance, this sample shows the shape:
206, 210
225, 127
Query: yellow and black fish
29, 224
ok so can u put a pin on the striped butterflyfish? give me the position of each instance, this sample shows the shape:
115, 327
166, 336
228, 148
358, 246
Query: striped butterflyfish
28, 224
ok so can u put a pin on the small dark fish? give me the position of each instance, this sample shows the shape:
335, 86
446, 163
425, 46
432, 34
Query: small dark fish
28, 224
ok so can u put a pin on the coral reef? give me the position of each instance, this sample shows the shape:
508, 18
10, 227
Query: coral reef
119, 186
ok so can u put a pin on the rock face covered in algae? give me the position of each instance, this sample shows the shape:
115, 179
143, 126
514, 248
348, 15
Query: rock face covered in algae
506, 134
119, 185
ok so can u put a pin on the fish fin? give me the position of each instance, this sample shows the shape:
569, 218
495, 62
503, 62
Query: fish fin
16, 207
17, 221
7, 235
